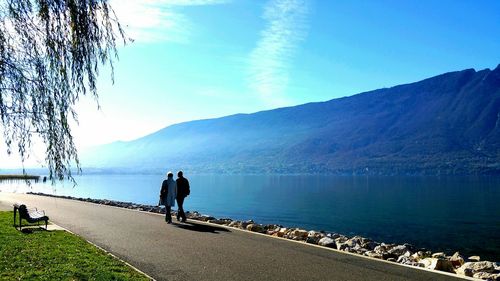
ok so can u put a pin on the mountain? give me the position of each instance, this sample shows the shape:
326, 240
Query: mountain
447, 124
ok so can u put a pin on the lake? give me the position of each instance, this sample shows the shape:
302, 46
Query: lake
438, 213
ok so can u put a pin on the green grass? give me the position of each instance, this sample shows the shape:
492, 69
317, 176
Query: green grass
55, 255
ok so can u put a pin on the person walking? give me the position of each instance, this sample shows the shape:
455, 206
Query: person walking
182, 193
168, 193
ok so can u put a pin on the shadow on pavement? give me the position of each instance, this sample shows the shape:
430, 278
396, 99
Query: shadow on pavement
200, 227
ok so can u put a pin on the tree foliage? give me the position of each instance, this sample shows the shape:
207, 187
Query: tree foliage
50, 54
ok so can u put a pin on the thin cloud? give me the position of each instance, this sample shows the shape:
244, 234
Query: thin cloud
269, 62
157, 20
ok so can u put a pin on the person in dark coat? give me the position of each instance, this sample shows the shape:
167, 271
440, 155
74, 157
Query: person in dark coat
168, 193
182, 192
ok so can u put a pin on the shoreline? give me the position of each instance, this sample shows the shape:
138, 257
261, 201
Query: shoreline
405, 254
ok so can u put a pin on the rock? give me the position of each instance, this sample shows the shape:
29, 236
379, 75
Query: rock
272, 231
358, 239
487, 276
407, 260
437, 264
236, 224
398, 250
226, 221
218, 221
470, 268
474, 258
156, 209
282, 232
327, 242
383, 249
457, 260
255, 227
194, 215
333, 235
370, 245
353, 242
373, 254
342, 247
271, 228
313, 237
299, 234
340, 241
244, 224
439, 255
420, 255
359, 250
465, 271
205, 218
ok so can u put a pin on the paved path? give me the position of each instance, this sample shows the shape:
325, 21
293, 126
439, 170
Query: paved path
195, 251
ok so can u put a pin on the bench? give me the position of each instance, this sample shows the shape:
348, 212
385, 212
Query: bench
30, 215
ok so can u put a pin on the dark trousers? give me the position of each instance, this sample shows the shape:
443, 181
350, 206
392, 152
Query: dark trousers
168, 215
180, 212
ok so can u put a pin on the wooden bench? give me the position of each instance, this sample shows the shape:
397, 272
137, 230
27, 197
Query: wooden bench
30, 215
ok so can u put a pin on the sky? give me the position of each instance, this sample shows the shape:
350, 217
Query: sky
198, 59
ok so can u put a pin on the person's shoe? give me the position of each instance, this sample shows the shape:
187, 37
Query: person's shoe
169, 222
183, 220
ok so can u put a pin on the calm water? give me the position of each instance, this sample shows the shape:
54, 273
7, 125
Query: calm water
459, 213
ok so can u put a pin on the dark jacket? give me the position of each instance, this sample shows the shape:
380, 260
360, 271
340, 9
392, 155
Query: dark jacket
182, 187
163, 192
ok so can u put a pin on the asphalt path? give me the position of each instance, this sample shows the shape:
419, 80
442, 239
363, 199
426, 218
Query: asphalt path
200, 251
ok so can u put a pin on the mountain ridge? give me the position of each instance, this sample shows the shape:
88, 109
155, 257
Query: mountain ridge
446, 124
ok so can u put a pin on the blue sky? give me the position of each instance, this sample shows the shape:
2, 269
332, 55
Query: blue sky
194, 59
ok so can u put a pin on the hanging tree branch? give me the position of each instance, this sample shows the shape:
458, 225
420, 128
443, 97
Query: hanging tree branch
50, 53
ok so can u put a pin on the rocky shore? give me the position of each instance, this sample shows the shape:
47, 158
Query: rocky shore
404, 254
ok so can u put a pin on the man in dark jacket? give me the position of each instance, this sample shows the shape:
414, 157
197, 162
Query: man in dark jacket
182, 192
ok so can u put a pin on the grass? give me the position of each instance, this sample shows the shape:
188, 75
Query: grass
19, 177
55, 255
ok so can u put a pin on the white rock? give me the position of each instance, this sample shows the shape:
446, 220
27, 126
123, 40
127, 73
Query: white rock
487, 276
470, 268
398, 250
314, 237
327, 242
474, 258
457, 260
359, 250
352, 242
373, 254
439, 255
333, 235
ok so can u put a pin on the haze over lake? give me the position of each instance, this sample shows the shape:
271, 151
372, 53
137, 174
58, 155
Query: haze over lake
439, 213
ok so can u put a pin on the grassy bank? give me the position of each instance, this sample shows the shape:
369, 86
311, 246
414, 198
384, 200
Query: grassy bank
55, 255
19, 177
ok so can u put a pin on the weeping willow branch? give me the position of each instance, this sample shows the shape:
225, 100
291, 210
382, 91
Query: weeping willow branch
50, 54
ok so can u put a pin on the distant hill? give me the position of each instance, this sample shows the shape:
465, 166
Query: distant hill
447, 124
